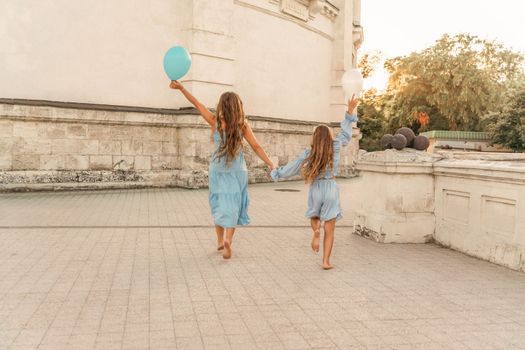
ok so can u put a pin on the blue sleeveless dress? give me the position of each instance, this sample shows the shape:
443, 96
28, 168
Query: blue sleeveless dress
228, 189
323, 195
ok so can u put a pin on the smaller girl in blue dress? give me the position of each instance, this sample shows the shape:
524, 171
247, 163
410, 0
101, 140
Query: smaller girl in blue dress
318, 166
227, 174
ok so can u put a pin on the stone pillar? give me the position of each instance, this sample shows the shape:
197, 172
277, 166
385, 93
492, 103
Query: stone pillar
357, 31
212, 47
347, 39
395, 196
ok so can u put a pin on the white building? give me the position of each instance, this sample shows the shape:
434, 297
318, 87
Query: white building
284, 57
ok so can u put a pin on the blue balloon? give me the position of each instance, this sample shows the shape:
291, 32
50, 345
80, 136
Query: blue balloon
177, 62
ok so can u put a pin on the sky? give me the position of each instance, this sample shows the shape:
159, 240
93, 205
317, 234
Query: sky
399, 27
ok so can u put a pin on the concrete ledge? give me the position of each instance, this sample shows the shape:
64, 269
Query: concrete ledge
74, 186
502, 171
395, 168
473, 203
93, 179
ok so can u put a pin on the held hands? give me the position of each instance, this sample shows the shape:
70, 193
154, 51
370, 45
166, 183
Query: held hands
272, 168
176, 85
352, 104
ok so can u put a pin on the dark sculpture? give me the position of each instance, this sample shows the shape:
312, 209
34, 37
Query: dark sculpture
408, 133
421, 143
399, 141
386, 141
404, 137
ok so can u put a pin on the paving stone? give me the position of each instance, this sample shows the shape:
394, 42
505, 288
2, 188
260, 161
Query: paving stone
138, 269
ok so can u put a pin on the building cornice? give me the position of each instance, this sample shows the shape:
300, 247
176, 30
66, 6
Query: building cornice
306, 10
284, 16
161, 113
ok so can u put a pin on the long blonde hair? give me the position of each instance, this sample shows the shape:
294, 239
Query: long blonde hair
230, 113
321, 154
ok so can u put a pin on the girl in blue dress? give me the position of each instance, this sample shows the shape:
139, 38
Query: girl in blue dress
227, 175
318, 166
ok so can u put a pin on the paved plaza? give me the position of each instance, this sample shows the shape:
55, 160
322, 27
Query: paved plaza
138, 269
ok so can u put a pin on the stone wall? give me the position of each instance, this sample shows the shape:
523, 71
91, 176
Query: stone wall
471, 202
46, 145
480, 207
395, 197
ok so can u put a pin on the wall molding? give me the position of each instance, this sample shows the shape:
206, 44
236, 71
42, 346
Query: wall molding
212, 56
284, 17
136, 109
152, 117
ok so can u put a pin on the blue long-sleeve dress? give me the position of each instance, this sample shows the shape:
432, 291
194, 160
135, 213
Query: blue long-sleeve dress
323, 196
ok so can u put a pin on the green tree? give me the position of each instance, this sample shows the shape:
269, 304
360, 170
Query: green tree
508, 129
368, 63
372, 120
452, 83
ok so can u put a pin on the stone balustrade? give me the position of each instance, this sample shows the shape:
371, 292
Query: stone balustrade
471, 202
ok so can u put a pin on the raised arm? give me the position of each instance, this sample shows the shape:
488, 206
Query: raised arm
254, 144
290, 169
345, 135
204, 112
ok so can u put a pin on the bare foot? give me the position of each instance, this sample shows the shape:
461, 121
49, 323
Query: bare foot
227, 253
220, 246
327, 266
315, 241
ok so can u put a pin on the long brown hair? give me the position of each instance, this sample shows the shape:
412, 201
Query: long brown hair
321, 154
230, 113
